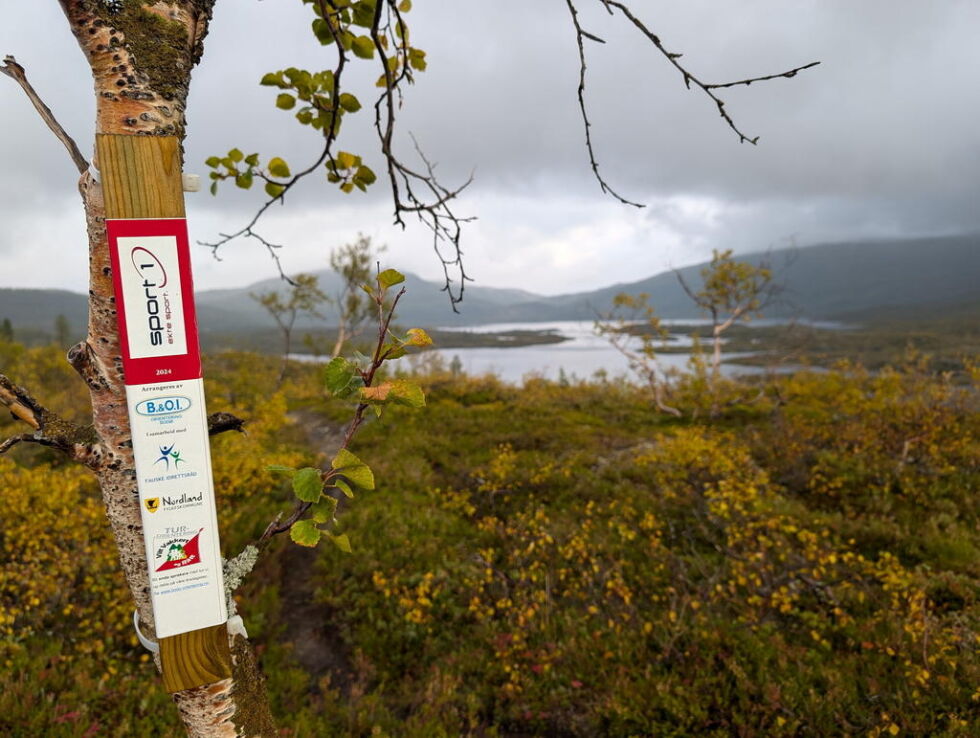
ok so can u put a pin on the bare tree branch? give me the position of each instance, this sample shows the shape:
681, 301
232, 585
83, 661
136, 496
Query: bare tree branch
16, 72
708, 88
690, 78
415, 192
385, 315
581, 34
327, 7
78, 442
436, 212
222, 422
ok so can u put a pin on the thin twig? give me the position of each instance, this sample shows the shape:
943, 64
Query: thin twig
581, 34
330, 136
690, 78
16, 72
384, 323
435, 213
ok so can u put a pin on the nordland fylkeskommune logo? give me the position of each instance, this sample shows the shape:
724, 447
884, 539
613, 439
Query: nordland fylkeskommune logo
150, 275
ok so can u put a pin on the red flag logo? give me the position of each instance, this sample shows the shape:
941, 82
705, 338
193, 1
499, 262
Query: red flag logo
182, 554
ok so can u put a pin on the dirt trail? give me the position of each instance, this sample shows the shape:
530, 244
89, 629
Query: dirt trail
308, 624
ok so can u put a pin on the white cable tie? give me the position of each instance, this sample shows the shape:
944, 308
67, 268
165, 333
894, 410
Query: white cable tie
236, 626
94, 173
151, 646
191, 182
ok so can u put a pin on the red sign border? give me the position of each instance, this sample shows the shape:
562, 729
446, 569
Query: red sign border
156, 369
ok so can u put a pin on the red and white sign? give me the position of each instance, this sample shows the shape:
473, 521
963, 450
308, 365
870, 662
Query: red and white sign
151, 273
165, 395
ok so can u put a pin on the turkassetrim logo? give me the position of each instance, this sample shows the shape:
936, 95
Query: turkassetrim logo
150, 275
177, 550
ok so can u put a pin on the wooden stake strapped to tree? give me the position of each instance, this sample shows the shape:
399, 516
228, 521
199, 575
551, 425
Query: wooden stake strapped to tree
147, 236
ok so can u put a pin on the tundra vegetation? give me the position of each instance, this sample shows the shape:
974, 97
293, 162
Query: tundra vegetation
556, 558
545, 559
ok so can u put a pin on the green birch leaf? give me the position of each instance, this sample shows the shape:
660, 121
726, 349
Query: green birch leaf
404, 392
343, 487
338, 375
390, 277
349, 103
278, 167
392, 351
305, 533
324, 510
307, 484
363, 47
342, 542
272, 79
346, 160
366, 175
356, 471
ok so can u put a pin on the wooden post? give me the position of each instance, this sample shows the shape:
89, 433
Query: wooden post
141, 179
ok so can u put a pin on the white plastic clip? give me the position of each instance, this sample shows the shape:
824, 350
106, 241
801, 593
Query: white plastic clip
151, 646
236, 626
94, 173
191, 182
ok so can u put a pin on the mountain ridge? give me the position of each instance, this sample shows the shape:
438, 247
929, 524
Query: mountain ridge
822, 281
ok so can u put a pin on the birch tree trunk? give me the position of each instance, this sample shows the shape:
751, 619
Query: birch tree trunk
141, 55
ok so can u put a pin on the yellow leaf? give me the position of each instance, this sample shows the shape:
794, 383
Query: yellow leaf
418, 337
378, 393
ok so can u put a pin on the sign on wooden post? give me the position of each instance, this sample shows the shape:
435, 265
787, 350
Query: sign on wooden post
150, 257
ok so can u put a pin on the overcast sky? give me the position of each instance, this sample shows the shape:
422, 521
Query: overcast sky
880, 140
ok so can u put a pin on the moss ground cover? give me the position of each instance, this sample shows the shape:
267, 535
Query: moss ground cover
550, 560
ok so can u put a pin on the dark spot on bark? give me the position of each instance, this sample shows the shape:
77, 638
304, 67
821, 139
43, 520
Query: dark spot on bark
120, 83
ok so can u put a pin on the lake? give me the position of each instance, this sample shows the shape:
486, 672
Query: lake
582, 355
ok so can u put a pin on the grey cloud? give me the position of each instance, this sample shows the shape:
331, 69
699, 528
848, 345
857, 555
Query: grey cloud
879, 140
